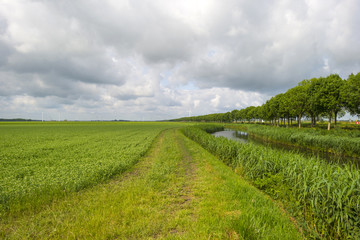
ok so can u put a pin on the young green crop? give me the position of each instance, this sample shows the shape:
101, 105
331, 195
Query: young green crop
40, 161
178, 190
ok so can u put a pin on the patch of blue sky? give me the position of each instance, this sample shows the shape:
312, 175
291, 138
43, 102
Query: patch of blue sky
164, 82
211, 53
188, 86
145, 70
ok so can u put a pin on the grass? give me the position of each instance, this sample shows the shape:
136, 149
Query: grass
325, 197
176, 191
43, 161
339, 141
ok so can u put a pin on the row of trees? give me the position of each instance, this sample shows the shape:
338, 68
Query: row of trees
324, 96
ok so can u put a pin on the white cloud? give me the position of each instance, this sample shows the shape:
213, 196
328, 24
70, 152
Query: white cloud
158, 59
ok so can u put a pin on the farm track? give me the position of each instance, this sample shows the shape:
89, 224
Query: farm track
177, 191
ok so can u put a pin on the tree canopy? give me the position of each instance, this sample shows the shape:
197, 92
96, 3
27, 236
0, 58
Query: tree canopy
323, 96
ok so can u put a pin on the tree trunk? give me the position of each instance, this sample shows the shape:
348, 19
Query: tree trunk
299, 120
329, 123
288, 120
312, 120
335, 119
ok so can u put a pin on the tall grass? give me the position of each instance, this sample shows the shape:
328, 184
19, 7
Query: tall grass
211, 128
326, 196
339, 141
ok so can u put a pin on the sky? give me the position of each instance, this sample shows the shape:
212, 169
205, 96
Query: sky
160, 59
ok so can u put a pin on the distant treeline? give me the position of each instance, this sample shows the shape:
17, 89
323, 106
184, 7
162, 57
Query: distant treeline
318, 97
16, 120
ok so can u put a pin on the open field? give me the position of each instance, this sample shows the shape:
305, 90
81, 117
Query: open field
42, 161
176, 191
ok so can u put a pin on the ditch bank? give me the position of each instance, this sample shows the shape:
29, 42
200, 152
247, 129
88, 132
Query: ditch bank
323, 197
245, 137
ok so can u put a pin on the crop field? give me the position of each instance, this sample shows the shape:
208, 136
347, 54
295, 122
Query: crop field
126, 181
40, 161
109, 180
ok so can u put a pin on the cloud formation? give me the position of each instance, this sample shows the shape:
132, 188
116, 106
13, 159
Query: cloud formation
166, 59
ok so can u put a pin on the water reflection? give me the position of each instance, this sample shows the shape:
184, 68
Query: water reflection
233, 135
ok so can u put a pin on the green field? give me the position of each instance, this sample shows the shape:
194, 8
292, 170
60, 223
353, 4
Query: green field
126, 180
42, 161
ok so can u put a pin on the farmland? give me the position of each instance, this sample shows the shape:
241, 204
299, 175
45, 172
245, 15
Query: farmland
170, 181
40, 162
126, 180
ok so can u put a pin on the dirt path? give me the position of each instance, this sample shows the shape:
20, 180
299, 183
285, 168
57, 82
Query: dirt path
177, 191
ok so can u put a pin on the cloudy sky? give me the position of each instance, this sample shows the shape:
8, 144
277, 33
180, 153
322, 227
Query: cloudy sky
160, 59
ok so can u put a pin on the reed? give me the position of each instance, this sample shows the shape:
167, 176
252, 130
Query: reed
325, 196
340, 141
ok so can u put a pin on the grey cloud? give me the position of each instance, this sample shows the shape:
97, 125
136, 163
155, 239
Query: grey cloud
272, 47
5, 52
112, 55
91, 69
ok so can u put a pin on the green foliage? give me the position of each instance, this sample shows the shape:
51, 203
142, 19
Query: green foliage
211, 128
177, 191
41, 161
325, 195
297, 101
350, 94
324, 96
346, 142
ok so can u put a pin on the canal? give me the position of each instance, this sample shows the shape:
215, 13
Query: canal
244, 137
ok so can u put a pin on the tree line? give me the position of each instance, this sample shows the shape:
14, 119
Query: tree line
317, 97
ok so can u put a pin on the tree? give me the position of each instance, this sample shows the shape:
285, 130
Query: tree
350, 94
285, 107
266, 112
235, 115
275, 107
328, 96
297, 101
249, 113
314, 107
226, 117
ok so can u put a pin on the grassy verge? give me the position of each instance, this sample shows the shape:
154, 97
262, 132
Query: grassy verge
177, 191
339, 141
324, 196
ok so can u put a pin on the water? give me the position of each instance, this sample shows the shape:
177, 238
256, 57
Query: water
244, 137
233, 135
